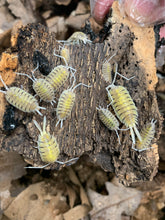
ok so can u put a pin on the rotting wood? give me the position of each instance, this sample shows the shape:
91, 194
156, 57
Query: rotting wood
83, 133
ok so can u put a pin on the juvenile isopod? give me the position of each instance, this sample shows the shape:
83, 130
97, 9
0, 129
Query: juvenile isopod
64, 52
66, 103
124, 106
42, 88
21, 99
109, 120
107, 69
77, 38
147, 134
48, 147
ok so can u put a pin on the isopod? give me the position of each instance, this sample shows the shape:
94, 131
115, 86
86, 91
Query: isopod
147, 135
64, 52
107, 69
21, 99
48, 147
124, 106
65, 56
66, 103
42, 88
57, 77
109, 120
77, 38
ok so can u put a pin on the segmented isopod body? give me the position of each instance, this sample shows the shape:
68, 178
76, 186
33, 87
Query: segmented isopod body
77, 38
124, 107
21, 99
41, 87
44, 90
66, 103
147, 135
48, 146
64, 52
109, 120
107, 69
57, 77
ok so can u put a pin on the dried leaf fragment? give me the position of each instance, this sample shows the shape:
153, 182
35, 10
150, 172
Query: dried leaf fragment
119, 200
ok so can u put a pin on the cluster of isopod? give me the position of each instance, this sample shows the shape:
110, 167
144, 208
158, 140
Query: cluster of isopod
45, 88
125, 110
119, 98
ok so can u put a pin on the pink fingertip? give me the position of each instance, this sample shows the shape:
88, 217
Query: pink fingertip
145, 12
162, 32
101, 8
137, 8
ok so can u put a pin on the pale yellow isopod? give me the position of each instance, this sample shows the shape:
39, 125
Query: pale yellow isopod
124, 106
66, 103
107, 69
48, 147
42, 87
21, 99
77, 38
109, 120
147, 134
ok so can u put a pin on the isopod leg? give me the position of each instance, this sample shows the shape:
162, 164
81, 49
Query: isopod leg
58, 122
118, 136
42, 108
137, 133
37, 125
134, 147
44, 124
32, 72
74, 80
87, 41
106, 61
38, 167
24, 74
116, 73
123, 129
35, 147
3, 91
3, 83
132, 135
61, 123
53, 101
63, 41
148, 148
61, 57
80, 85
68, 161
39, 112
125, 76
109, 96
73, 71
153, 122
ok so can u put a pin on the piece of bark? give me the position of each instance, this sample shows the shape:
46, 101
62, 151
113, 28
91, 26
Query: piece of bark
83, 133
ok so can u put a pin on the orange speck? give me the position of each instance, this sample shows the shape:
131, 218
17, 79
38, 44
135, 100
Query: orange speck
8, 63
